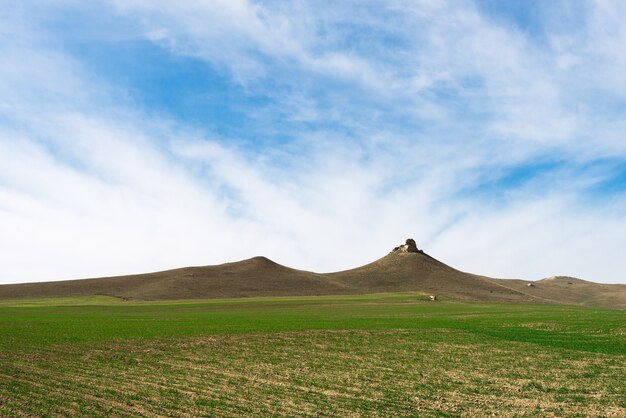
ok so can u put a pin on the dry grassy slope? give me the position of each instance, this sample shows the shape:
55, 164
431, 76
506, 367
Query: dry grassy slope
419, 272
257, 276
573, 291
260, 276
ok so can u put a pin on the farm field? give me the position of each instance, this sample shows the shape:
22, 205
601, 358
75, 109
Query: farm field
384, 354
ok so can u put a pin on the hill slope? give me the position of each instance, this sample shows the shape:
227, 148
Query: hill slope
259, 276
572, 291
416, 271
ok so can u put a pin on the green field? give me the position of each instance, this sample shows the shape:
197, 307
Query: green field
352, 355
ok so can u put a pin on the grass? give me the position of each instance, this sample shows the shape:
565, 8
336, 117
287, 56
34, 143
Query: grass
393, 354
66, 301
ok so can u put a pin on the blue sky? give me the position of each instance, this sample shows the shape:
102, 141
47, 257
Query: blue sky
143, 135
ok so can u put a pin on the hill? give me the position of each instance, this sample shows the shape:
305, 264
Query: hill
572, 291
257, 276
417, 271
404, 269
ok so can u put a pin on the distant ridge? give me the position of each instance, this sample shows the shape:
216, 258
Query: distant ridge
257, 276
404, 269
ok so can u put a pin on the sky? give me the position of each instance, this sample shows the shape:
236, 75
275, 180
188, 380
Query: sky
142, 135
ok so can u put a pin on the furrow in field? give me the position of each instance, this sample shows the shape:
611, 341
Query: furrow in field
66, 388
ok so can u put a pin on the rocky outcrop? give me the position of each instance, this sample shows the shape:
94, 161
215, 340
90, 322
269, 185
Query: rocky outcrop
409, 246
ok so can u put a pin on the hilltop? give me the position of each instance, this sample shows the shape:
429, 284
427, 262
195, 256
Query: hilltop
404, 269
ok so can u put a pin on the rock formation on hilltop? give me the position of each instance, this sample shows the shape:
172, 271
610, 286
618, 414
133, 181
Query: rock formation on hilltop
409, 246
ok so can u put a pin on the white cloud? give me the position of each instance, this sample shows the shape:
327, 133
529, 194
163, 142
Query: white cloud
490, 69
91, 186
536, 238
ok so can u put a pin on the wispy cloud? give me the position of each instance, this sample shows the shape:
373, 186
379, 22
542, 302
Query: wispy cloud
364, 123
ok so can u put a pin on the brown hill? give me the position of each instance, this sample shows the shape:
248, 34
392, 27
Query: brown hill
416, 271
572, 291
401, 270
257, 276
